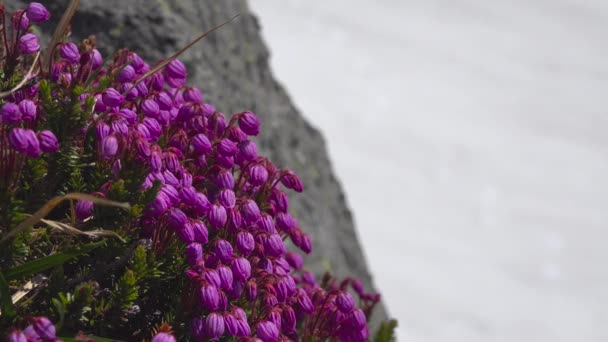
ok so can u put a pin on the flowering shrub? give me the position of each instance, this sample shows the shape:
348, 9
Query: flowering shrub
199, 252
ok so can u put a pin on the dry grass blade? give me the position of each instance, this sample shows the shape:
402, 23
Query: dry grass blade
66, 228
27, 288
62, 27
24, 80
53, 202
177, 54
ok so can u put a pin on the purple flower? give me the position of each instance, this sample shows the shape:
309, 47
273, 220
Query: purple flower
131, 93
153, 127
232, 325
96, 59
274, 245
176, 219
214, 326
288, 319
20, 20
291, 181
186, 234
251, 290
227, 198
200, 232
213, 277
217, 216
28, 109
241, 268
25, 141
126, 74
266, 223
16, 336
249, 123
295, 260
200, 144
112, 98
128, 115
356, 319
345, 302
150, 108
223, 249
84, 209
197, 328
69, 52
224, 180
102, 130
209, 297
194, 253
48, 141
304, 302
163, 337
245, 243
286, 222
109, 147
258, 175
226, 277
164, 101
11, 113
176, 69
227, 148
37, 13
192, 94
250, 211
44, 328
267, 331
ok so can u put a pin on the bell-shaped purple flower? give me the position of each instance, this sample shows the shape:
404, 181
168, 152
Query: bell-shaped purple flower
129, 115
20, 20
16, 336
69, 52
176, 69
226, 277
209, 297
202, 205
266, 223
158, 205
274, 245
112, 98
251, 290
245, 243
356, 319
214, 326
126, 74
44, 328
37, 13
102, 130
201, 235
258, 175
304, 302
28, 109
224, 180
288, 322
96, 59
48, 141
267, 331
192, 94
109, 147
11, 113
176, 219
227, 198
226, 148
150, 108
84, 209
295, 260
197, 328
232, 325
241, 268
286, 222
248, 150
200, 144
217, 216
250, 211
186, 233
194, 253
291, 181
153, 127
29, 44
25, 141
163, 337
249, 123
345, 302
223, 250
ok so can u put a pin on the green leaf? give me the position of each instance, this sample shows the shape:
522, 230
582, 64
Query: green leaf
43, 264
386, 332
6, 300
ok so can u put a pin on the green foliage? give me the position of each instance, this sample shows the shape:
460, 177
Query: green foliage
386, 332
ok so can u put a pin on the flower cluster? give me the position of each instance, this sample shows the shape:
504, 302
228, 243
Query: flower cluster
40, 329
224, 202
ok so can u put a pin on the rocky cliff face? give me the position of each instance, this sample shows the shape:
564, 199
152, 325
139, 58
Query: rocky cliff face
231, 68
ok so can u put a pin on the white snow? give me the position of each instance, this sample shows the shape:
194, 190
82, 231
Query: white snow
471, 137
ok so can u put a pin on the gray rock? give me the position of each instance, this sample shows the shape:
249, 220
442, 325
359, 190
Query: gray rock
231, 68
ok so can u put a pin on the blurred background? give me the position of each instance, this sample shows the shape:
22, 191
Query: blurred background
471, 139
